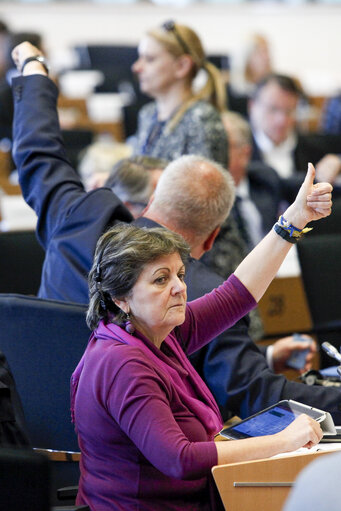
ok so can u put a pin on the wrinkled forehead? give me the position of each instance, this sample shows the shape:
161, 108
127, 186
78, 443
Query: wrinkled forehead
170, 262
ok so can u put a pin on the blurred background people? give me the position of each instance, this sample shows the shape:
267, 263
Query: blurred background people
331, 115
273, 117
181, 119
258, 186
97, 160
134, 179
258, 193
249, 64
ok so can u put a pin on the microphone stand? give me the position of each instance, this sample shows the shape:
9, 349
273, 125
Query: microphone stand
333, 353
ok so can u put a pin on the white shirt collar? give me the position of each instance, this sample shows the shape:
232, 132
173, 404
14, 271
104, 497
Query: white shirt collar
279, 157
243, 189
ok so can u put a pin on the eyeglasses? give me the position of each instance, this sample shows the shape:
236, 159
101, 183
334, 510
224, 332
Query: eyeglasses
169, 26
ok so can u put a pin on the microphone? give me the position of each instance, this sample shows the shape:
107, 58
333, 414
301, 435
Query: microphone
331, 351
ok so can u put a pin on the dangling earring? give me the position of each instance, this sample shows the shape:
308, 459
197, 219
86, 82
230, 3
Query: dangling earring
129, 327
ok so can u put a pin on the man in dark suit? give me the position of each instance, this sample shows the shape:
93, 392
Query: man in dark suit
255, 210
273, 117
70, 221
258, 186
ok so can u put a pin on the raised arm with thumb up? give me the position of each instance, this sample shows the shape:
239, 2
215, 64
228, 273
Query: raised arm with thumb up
313, 201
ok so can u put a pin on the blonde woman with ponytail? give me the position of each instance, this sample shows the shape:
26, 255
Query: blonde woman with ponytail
182, 119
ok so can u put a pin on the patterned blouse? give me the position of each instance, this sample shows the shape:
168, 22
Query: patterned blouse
200, 131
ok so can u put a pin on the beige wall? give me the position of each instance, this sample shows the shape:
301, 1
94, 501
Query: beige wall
306, 39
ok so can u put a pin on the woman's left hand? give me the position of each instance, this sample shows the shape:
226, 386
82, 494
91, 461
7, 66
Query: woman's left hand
313, 201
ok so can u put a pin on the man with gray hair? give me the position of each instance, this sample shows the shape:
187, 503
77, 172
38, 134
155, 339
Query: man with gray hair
70, 221
195, 195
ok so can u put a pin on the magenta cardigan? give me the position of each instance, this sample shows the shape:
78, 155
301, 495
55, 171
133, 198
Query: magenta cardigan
145, 420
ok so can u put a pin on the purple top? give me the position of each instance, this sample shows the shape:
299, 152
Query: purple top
145, 420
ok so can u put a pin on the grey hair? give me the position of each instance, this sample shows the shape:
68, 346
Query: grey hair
195, 195
121, 255
130, 178
239, 125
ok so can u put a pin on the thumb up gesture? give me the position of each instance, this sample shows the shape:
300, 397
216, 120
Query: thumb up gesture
313, 201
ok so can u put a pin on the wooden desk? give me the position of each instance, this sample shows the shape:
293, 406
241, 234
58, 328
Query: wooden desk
4, 164
73, 113
261, 485
284, 308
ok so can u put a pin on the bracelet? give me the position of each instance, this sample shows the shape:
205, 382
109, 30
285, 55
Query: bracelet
288, 231
284, 234
39, 58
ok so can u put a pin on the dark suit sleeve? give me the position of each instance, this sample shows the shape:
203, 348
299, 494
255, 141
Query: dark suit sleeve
262, 349
49, 183
237, 373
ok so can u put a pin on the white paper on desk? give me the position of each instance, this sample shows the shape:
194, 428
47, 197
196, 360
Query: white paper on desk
315, 448
16, 214
105, 107
80, 83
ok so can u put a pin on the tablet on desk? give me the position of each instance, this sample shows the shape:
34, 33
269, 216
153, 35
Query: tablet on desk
330, 439
277, 417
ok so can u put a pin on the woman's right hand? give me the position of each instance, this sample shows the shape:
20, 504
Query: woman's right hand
302, 432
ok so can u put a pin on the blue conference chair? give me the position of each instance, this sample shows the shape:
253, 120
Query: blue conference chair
43, 341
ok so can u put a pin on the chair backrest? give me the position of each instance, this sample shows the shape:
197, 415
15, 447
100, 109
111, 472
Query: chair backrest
24, 480
320, 258
21, 261
331, 224
43, 341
